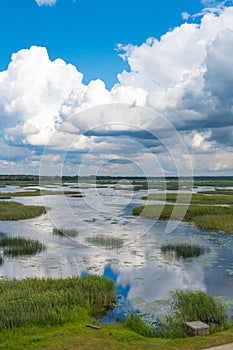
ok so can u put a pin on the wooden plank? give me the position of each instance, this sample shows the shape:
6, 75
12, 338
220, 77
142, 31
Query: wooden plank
93, 326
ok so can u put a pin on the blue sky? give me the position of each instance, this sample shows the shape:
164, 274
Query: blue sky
86, 32
65, 65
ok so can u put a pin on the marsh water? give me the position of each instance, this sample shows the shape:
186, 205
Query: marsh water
113, 243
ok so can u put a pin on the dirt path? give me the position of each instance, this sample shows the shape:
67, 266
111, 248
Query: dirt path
222, 347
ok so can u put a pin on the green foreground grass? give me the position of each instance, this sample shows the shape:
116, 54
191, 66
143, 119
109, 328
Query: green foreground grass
214, 218
17, 211
53, 313
75, 335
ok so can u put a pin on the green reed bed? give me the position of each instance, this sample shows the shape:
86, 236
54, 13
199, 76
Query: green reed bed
215, 223
183, 250
184, 306
225, 192
37, 192
19, 246
215, 217
198, 198
65, 232
18, 211
108, 242
50, 301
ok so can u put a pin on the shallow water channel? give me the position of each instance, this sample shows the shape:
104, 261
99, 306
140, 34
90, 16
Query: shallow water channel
127, 249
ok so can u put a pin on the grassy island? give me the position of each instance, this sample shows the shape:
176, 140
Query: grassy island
18, 211
214, 218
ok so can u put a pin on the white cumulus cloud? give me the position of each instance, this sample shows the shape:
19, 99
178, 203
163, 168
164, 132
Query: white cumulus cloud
46, 2
186, 75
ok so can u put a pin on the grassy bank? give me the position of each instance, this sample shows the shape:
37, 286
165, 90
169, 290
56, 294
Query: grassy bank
74, 335
214, 218
18, 211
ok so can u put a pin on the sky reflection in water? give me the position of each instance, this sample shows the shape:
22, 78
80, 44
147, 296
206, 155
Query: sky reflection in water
143, 275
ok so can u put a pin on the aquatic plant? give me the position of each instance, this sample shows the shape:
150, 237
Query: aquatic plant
108, 242
197, 305
136, 323
184, 306
19, 246
183, 250
50, 301
70, 232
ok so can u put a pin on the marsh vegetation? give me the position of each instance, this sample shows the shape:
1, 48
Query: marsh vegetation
50, 301
17, 211
19, 246
204, 198
184, 306
37, 192
108, 242
215, 218
65, 232
183, 250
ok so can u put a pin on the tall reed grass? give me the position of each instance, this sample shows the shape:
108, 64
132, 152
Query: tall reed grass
183, 250
108, 242
50, 301
19, 246
184, 306
63, 232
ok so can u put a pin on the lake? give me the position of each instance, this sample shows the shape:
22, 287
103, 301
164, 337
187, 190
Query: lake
113, 243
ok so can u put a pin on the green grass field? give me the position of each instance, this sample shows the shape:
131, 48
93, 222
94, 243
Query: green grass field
53, 313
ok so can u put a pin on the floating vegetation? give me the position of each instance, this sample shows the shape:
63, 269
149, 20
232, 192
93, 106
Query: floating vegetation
18, 211
183, 250
51, 301
19, 246
65, 232
215, 218
108, 242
